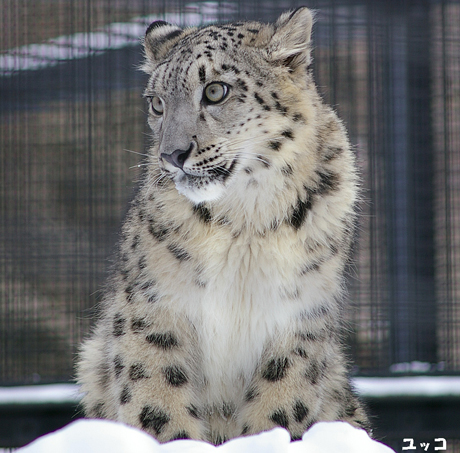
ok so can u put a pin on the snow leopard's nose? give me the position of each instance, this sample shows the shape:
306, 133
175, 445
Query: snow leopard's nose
178, 157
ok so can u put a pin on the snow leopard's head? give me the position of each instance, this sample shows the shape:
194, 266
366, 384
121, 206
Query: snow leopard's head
222, 98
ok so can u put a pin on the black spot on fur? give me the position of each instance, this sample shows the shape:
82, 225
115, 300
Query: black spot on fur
275, 145
148, 285
327, 182
178, 252
314, 372
141, 214
135, 242
253, 30
241, 84
301, 353
193, 411
138, 325
309, 267
245, 430
137, 371
287, 170
157, 231
153, 418
259, 99
152, 298
129, 290
202, 74
288, 134
280, 418
118, 366
276, 369
228, 409
299, 213
175, 375
331, 153
181, 435
118, 325
300, 411
295, 438
125, 396
250, 394
165, 340
142, 263
310, 336
298, 117
281, 108
203, 213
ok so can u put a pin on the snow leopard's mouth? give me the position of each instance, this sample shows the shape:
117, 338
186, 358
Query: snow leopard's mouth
206, 185
197, 176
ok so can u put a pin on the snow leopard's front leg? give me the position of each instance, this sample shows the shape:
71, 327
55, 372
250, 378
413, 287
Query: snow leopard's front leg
149, 372
298, 383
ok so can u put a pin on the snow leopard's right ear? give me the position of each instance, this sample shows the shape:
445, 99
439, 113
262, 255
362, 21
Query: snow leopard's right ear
291, 41
159, 38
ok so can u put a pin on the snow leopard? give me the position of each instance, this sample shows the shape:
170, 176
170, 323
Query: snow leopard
222, 315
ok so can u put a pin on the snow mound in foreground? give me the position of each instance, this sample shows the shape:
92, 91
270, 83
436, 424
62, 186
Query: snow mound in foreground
102, 436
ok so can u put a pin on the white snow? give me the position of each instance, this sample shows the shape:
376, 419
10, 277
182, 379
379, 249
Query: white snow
87, 436
100, 436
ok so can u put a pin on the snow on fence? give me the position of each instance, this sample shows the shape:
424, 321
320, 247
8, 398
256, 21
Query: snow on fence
367, 387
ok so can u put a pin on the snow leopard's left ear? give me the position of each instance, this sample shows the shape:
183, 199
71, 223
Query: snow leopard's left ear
290, 43
159, 38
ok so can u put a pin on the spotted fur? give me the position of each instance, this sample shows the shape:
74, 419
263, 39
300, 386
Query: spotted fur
223, 314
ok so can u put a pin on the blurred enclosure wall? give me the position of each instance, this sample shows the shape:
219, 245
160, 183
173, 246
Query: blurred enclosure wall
71, 114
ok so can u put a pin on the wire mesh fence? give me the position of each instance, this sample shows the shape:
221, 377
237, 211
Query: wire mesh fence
72, 120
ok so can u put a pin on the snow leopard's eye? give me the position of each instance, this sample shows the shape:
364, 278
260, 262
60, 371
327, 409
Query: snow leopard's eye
156, 105
216, 92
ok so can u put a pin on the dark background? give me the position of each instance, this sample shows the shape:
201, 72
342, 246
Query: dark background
392, 71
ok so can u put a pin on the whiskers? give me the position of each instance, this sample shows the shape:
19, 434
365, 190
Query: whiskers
240, 147
143, 164
136, 152
245, 150
156, 175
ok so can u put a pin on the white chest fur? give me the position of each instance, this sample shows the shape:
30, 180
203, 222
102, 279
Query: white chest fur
252, 292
